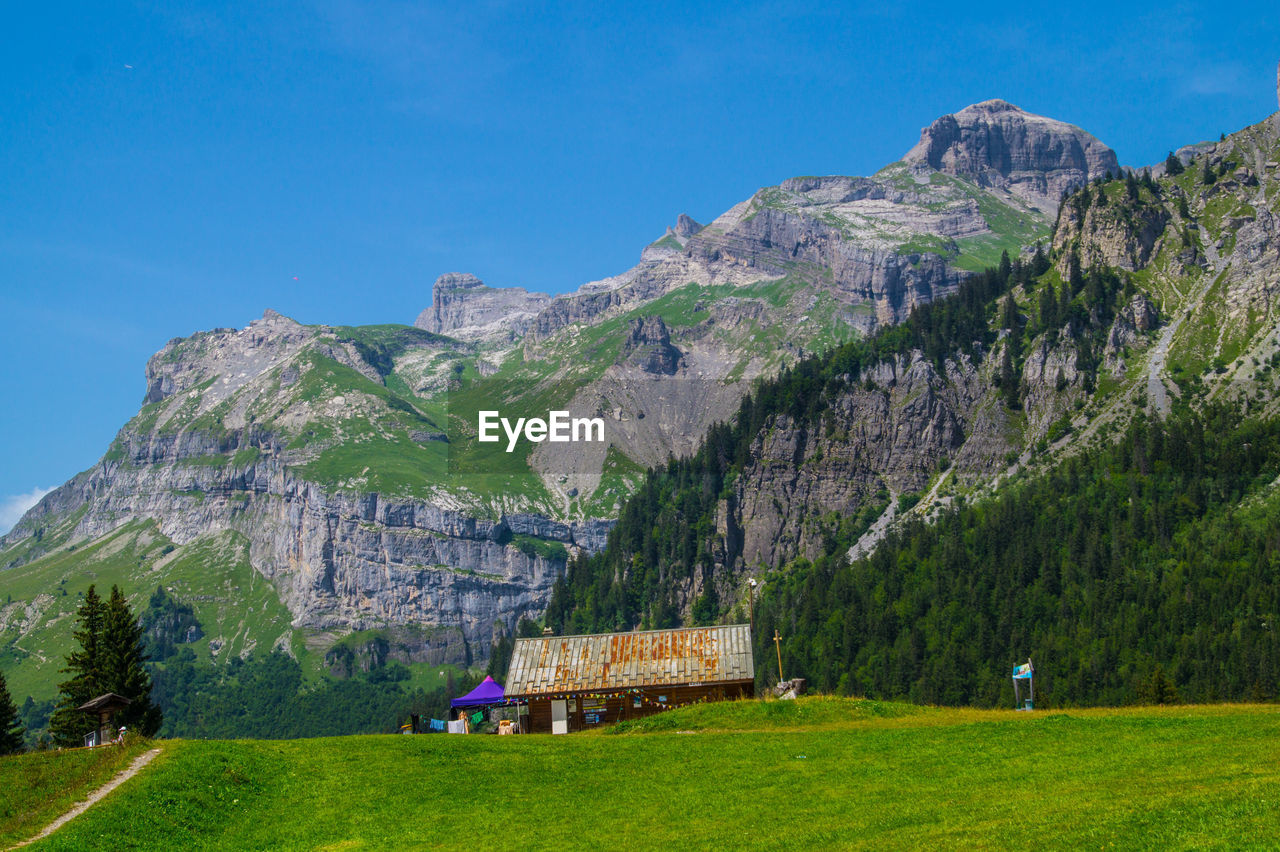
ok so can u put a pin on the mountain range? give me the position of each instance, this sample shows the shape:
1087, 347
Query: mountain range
307, 488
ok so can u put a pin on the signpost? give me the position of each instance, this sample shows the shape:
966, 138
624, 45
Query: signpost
1025, 672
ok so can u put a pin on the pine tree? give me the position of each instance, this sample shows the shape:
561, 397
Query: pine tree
68, 725
123, 671
1009, 314
1172, 165
10, 727
1064, 302
1048, 306
1158, 689
1039, 262
1008, 380
1208, 176
1075, 277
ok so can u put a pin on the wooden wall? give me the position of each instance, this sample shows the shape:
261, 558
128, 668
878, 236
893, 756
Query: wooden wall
584, 709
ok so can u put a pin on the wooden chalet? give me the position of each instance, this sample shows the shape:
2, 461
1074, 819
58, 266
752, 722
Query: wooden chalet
572, 683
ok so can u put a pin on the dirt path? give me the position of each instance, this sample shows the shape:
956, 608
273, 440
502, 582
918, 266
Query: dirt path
94, 797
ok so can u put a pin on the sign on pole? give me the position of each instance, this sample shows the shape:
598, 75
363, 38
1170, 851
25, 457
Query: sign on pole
1025, 672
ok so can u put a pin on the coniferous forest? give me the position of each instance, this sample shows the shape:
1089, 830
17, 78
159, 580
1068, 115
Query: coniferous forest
1115, 573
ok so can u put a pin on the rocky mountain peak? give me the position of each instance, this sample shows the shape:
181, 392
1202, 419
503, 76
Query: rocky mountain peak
464, 306
686, 227
274, 321
457, 281
1001, 146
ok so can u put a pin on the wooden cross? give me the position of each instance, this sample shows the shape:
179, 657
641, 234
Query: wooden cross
776, 644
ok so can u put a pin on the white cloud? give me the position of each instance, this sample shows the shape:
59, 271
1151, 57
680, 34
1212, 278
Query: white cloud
13, 508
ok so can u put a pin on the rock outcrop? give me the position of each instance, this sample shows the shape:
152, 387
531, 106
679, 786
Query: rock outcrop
686, 227
463, 306
886, 437
648, 346
996, 144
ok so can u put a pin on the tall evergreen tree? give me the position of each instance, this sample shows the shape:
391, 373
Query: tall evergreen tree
10, 727
1048, 306
1075, 277
68, 725
123, 655
1009, 314
1172, 165
1009, 380
1039, 262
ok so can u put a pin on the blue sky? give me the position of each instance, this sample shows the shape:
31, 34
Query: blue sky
171, 167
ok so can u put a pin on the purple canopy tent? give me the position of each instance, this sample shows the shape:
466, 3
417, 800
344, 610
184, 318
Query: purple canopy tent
488, 692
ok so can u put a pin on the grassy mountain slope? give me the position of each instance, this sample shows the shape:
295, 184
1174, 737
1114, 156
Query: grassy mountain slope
238, 609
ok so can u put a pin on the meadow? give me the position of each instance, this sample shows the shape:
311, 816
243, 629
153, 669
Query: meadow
819, 772
35, 789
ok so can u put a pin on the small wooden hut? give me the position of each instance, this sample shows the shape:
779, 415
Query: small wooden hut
105, 706
572, 683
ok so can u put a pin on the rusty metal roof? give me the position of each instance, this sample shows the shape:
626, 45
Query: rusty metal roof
551, 664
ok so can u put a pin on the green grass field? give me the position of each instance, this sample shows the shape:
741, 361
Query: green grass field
35, 789
821, 772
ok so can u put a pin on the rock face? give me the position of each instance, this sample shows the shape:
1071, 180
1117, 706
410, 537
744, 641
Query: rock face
996, 144
338, 561
686, 227
886, 438
463, 306
399, 645
648, 346
223, 444
1119, 237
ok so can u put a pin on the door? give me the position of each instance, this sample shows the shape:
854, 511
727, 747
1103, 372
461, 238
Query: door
559, 717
